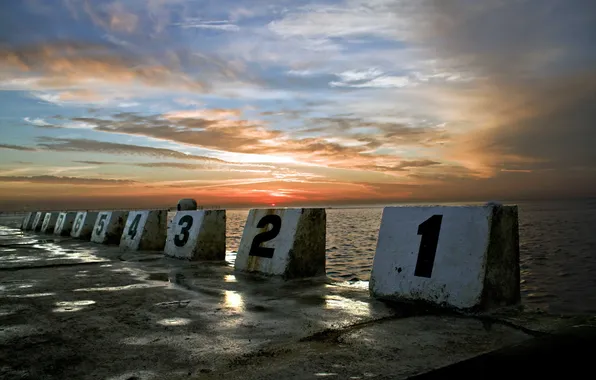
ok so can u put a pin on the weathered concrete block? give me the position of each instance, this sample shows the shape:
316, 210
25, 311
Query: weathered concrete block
27, 223
197, 235
38, 221
144, 231
64, 223
283, 242
83, 225
108, 227
49, 222
186, 204
458, 257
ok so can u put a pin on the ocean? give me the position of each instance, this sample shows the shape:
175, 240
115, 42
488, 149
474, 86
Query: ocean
557, 250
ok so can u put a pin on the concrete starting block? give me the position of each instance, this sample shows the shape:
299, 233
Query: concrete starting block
109, 226
197, 235
464, 257
83, 225
283, 242
64, 223
144, 231
37, 222
49, 222
27, 223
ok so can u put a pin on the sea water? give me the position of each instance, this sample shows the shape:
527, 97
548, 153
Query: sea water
557, 250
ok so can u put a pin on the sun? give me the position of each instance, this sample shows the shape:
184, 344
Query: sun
272, 204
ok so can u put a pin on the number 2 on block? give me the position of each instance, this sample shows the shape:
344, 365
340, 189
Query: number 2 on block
429, 229
255, 248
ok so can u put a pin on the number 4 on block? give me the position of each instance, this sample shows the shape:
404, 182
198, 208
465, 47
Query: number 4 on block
464, 257
197, 235
144, 231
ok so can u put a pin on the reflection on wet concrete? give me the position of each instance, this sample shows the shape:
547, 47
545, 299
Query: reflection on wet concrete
174, 321
233, 300
70, 306
123, 317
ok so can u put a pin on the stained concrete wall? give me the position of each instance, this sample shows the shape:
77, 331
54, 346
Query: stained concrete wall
28, 221
37, 221
150, 231
297, 250
197, 235
49, 222
108, 227
83, 225
64, 223
476, 262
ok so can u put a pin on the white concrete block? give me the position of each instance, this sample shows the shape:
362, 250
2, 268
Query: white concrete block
83, 225
186, 204
464, 257
283, 242
27, 223
38, 221
197, 235
64, 223
108, 227
144, 231
49, 222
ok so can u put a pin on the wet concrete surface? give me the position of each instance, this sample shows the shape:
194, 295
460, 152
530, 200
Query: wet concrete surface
79, 310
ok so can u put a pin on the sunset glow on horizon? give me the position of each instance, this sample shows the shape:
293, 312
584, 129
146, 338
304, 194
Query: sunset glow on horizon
114, 104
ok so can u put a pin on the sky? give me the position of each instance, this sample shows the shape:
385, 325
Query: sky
138, 103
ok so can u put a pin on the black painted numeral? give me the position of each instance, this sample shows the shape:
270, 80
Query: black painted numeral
132, 230
79, 222
187, 220
429, 229
255, 248
59, 221
101, 223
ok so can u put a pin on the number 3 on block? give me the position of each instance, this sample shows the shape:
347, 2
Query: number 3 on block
442, 255
197, 235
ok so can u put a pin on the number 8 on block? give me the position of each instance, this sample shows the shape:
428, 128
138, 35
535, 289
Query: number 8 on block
283, 242
197, 235
464, 257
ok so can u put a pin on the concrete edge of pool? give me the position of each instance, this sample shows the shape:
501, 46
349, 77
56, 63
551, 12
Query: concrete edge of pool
73, 309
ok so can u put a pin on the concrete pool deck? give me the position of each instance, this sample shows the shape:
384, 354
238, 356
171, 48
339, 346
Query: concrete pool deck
79, 310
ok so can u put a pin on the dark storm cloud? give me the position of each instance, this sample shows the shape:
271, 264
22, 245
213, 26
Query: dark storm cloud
535, 64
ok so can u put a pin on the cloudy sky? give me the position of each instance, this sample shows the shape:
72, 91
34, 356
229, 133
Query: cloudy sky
247, 103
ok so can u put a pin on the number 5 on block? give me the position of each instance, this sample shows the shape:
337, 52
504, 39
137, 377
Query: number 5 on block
197, 235
464, 257
283, 242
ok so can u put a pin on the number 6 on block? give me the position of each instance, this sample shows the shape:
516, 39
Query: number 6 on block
197, 235
144, 231
283, 242
463, 257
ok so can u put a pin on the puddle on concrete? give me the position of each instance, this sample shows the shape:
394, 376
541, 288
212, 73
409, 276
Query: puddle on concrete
159, 277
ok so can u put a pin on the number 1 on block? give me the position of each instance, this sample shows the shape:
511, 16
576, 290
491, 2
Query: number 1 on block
447, 255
